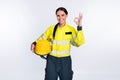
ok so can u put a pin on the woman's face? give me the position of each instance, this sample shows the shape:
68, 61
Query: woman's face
61, 17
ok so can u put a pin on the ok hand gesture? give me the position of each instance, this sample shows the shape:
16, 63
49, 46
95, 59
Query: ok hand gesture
78, 20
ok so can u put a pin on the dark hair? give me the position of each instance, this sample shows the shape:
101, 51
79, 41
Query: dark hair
62, 9
66, 12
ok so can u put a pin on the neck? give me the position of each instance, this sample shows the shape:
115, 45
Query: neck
62, 25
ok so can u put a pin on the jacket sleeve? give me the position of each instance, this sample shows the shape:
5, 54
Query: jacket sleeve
77, 38
46, 35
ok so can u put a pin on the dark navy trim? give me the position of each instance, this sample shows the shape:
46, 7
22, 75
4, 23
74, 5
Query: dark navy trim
79, 28
68, 33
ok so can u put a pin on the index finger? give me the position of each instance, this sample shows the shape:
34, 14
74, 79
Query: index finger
80, 15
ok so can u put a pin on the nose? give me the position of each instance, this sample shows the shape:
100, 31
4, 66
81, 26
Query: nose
60, 17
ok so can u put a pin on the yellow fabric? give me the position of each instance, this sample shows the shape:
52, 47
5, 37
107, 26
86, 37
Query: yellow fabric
59, 55
63, 47
76, 38
42, 47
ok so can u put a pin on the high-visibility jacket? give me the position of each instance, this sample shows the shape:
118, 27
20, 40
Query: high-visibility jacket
64, 37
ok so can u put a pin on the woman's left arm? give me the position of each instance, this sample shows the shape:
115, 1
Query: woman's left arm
78, 36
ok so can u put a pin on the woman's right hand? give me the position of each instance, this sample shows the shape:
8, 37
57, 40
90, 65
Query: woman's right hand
33, 48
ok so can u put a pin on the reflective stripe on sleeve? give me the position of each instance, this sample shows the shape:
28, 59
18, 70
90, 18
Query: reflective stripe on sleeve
74, 36
42, 37
73, 42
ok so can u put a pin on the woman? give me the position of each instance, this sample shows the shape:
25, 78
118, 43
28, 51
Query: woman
61, 37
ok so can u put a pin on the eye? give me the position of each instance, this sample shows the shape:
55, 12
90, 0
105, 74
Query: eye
63, 15
58, 15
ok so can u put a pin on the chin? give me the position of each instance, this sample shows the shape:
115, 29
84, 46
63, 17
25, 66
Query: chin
61, 22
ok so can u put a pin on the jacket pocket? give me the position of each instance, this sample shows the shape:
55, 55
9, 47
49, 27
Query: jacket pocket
68, 35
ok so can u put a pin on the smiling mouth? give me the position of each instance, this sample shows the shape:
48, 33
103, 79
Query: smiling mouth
61, 20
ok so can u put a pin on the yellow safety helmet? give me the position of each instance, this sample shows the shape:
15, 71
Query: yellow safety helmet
42, 47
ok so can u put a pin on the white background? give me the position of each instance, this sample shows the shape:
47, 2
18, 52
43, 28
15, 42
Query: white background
22, 21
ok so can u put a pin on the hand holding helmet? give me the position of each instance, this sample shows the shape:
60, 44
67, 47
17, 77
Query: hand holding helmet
42, 47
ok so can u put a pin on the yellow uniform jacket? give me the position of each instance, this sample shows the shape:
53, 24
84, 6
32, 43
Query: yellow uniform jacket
64, 38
